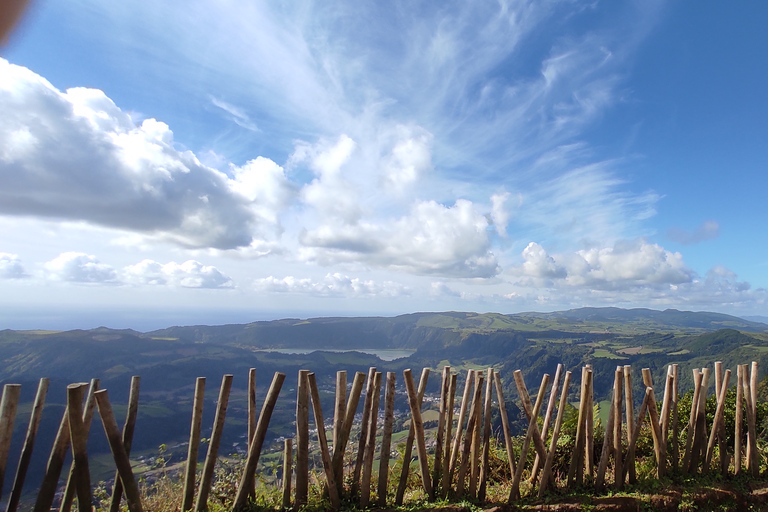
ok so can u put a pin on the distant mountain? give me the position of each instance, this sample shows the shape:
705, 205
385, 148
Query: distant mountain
756, 318
438, 330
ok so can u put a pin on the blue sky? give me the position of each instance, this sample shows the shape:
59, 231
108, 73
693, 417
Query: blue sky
212, 162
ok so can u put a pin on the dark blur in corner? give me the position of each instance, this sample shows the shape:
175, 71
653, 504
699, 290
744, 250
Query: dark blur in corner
10, 13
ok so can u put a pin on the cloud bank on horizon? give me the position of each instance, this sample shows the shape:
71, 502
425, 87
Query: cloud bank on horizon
474, 157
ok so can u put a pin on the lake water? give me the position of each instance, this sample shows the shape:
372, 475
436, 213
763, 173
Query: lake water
385, 354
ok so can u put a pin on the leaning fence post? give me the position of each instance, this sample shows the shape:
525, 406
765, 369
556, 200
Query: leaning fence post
349, 417
577, 457
532, 431
323, 441
357, 471
29, 443
8, 407
55, 464
119, 452
505, 423
486, 435
254, 451
460, 425
194, 445
402, 484
213, 446
717, 421
547, 472
538, 461
697, 378
418, 425
128, 429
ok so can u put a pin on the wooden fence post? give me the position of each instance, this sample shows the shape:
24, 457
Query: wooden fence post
460, 425
525, 398
486, 435
194, 445
363, 430
48, 487
675, 433
717, 421
287, 470
514, 493
697, 378
538, 461
474, 466
340, 405
505, 423
213, 445
254, 451
403, 483
8, 406
79, 441
438, 464
468, 435
349, 418
658, 443
325, 455
739, 420
415, 405
589, 444
90, 409
577, 457
302, 439
119, 452
128, 429
29, 443
386, 440
446, 481
370, 443
751, 430
629, 466
617, 396
547, 472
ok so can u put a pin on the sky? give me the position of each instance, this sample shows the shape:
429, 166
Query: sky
196, 162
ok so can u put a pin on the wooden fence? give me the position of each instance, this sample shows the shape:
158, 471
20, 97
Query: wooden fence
460, 458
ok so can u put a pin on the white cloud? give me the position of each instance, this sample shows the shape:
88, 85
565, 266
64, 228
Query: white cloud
708, 230
78, 267
410, 157
11, 267
431, 239
625, 266
440, 289
332, 285
190, 274
499, 214
77, 156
